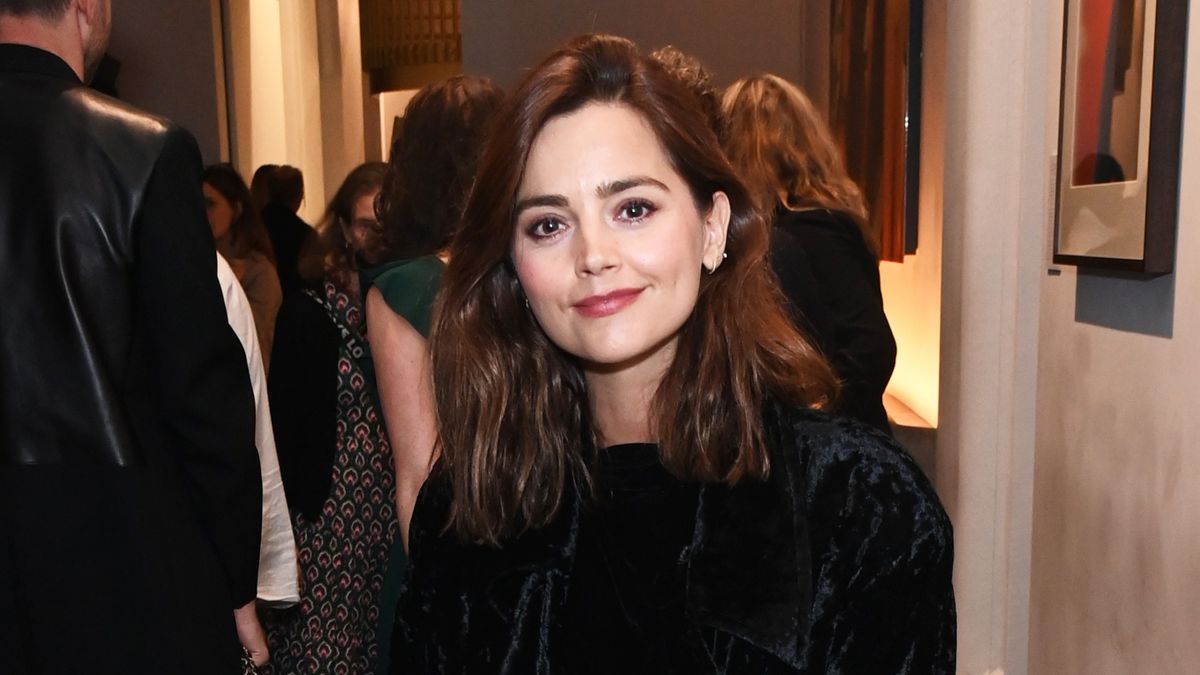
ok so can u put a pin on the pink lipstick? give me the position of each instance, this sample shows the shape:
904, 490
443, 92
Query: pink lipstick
596, 306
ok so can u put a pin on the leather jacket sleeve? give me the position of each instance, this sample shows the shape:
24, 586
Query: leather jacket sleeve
202, 385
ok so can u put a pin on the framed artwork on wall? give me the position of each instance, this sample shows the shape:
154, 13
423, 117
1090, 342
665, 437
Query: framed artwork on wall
1119, 134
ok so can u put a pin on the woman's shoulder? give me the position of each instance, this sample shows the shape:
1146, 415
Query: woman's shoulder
401, 274
817, 225
813, 217
408, 287
857, 475
255, 270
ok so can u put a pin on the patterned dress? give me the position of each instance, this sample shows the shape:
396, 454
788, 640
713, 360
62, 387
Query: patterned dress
343, 555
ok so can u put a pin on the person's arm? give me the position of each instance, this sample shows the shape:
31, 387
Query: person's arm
278, 575
261, 284
250, 633
202, 385
303, 395
404, 377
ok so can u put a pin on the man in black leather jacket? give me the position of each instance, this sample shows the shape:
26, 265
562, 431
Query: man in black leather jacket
130, 496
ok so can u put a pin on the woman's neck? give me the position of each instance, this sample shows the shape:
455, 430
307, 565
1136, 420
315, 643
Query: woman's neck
621, 399
225, 246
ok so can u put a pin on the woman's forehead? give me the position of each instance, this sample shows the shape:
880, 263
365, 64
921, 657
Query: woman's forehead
594, 145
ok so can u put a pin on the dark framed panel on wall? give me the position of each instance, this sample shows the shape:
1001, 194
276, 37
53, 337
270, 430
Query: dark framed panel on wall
875, 111
1120, 122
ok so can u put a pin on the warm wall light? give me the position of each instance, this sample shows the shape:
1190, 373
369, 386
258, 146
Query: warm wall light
409, 43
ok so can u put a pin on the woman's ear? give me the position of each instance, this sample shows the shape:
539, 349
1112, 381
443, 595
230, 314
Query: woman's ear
716, 230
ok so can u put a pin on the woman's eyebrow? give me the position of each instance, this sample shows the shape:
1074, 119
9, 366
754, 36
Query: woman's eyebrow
606, 190
540, 200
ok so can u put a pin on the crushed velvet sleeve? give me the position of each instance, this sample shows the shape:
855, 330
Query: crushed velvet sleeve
472, 609
882, 555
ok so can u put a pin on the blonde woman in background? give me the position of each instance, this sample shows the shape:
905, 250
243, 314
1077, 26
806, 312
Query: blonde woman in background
821, 249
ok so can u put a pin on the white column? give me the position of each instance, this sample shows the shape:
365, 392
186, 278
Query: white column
996, 201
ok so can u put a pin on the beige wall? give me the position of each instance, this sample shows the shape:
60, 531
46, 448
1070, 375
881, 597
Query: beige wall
296, 84
167, 66
1116, 540
501, 38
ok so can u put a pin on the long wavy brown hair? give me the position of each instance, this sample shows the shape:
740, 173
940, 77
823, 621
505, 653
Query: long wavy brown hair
784, 150
432, 164
513, 418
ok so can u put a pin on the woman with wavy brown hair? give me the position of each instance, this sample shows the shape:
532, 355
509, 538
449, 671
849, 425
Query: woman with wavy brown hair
431, 168
635, 473
821, 250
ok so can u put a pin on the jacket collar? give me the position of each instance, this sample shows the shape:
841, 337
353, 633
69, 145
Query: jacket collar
18, 58
750, 569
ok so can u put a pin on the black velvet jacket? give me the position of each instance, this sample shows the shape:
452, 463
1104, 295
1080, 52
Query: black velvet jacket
840, 563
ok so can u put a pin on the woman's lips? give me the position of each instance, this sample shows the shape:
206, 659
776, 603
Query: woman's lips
596, 306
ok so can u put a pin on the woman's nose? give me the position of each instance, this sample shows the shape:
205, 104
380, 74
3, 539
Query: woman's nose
597, 248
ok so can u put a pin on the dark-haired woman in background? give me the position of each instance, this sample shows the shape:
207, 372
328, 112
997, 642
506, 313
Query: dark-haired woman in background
821, 250
635, 475
243, 241
333, 453
432, 165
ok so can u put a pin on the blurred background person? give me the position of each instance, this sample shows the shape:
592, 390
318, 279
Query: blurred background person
333, 451
243, 242
290, 236
433, 166
260, 193
784, 151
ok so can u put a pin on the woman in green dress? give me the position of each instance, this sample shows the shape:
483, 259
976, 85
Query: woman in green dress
433, 164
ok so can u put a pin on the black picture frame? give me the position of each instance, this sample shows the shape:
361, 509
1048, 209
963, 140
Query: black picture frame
1144, 208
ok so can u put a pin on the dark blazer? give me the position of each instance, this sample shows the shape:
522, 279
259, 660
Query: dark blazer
290, 237
840, 562
831, 281
130, 494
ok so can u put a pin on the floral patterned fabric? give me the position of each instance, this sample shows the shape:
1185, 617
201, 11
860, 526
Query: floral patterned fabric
343, 556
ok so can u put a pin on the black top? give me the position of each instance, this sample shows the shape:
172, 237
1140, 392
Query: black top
839, 562
831, 280
626, 603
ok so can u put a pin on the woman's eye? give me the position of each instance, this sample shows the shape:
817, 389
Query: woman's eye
635, 210
545, 228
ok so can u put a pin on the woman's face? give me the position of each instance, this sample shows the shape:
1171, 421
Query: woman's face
221, 213
363, 225
609, 243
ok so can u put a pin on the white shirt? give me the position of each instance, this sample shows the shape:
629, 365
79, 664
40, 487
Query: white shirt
278, 574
